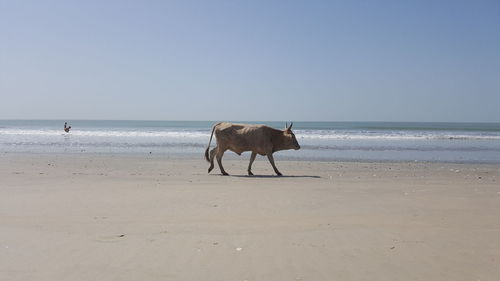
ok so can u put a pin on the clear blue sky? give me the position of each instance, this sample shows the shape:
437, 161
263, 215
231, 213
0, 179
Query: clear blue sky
251, 60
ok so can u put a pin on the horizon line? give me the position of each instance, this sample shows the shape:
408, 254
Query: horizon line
303, 121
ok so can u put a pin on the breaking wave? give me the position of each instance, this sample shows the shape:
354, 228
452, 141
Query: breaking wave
301, 134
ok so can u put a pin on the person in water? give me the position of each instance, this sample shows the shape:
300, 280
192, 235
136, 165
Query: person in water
66, 128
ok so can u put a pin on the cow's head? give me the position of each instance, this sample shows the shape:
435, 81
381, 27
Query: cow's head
290, 140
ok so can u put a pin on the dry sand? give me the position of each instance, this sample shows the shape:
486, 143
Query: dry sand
148, 217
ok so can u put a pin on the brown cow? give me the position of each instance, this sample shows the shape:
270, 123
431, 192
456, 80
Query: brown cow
259, 139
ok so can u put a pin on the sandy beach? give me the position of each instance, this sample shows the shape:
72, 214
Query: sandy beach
151, 217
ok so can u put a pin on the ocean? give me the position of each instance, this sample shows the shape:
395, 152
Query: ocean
320, 141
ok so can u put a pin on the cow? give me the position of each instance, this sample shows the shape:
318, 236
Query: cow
259, 139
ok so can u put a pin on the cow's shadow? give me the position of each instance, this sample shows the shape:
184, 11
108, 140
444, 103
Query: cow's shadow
274, 176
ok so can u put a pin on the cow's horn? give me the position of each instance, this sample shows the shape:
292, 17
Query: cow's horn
286, 125
291, 124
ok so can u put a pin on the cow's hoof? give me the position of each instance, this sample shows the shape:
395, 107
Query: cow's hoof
225, 174
210, 169
250, 173
279, 174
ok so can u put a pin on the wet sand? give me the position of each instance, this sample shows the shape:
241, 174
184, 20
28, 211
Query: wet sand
152, 217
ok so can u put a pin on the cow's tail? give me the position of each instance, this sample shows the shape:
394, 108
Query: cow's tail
208, 147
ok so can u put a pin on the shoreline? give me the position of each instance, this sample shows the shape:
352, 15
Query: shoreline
245, 156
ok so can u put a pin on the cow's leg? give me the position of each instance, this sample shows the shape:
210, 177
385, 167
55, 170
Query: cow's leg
271, 159
252, 158
218, 155
212, 156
